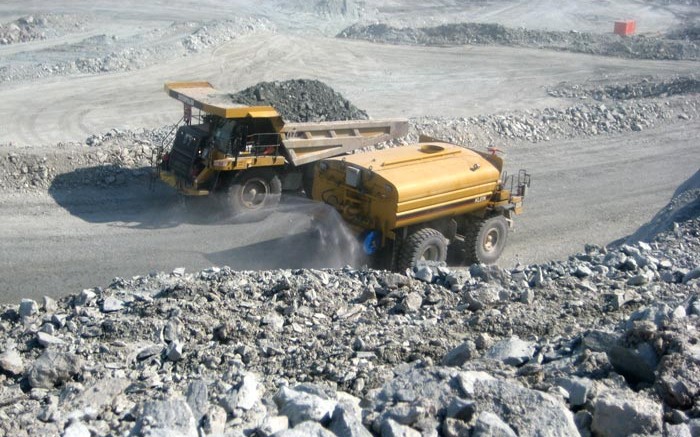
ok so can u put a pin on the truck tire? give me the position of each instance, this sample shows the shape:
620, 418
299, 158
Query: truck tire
252, 190
486, 240
425, 244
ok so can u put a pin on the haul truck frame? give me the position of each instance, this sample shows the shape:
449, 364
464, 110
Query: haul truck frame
247, 155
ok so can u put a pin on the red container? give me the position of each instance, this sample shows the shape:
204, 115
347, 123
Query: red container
625, 28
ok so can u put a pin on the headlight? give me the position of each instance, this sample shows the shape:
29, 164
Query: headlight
353, 175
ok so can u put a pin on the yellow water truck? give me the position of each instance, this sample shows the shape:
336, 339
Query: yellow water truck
425, 201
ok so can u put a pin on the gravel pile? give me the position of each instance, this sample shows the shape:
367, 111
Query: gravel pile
637, 47
690, 32
603, 342
108, 53
585, 119
110, 159
644, 89
38, 27
301, 100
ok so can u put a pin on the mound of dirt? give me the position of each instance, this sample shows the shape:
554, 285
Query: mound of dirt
643, 89
301, 100
637, 47
38, 27
108, 53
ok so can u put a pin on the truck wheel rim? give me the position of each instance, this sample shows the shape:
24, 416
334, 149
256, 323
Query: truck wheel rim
491, 240
254, 193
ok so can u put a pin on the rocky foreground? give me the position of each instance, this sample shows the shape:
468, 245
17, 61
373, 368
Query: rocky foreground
604, 343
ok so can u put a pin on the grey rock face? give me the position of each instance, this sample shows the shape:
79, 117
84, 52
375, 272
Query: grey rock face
28, 308
11, 361
300, 406
112, 304
513, 351
459, 355
625, 413
391, 428
490, 425
306, 429
168, 417
344, 423
53, 368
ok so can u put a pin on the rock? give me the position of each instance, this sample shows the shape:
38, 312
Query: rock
455, 428
483, 297
76, 429
638, 280
679, 380
599, 341
513, 351
111, 304
411, 303
623, 412
27, 308
85, 298
693, 274
198, 399
167, 417
248, 392
490, 425
47, 340
306, 429
424, 273
529, 411
272, 425
391, 428
49, 305
344, 423
582, 271
679, 430
461, 409
630, 364
214, 422
299, 406
53, 368
577, 388
11, 362
173, 351
459, 355
274, 321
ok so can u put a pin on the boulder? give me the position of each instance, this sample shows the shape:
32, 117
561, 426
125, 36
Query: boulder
623, 412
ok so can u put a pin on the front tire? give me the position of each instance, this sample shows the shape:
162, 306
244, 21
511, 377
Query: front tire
252, 191
486, 240
426, 244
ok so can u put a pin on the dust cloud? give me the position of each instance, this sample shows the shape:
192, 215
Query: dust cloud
298, 233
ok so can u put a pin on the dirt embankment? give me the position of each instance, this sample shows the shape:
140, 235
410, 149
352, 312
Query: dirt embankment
677, 46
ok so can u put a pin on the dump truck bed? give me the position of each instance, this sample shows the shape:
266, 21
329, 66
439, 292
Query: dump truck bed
304, 142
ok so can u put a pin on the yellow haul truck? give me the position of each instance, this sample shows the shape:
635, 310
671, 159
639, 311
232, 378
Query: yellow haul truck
424, 202
248, 154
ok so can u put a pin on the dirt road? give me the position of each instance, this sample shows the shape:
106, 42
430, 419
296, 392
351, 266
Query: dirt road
590, 190
584, 191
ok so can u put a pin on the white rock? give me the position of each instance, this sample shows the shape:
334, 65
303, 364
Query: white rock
11, 361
